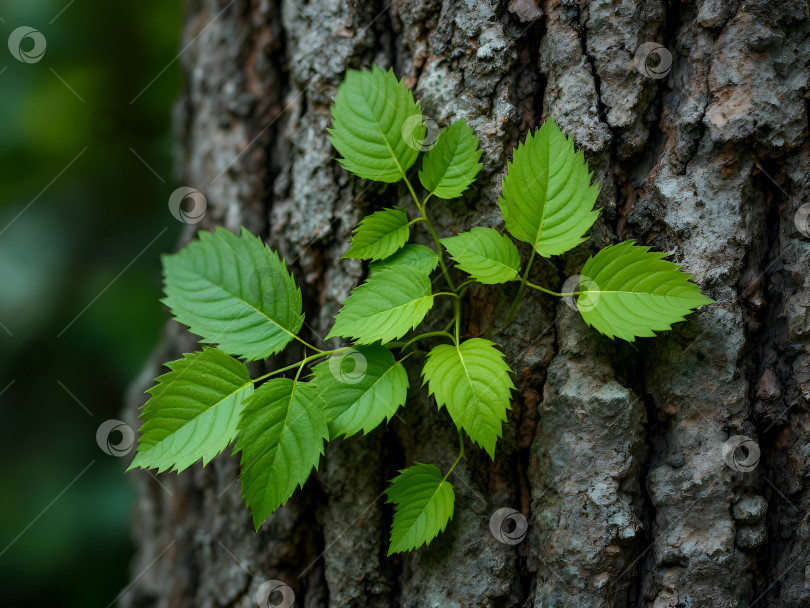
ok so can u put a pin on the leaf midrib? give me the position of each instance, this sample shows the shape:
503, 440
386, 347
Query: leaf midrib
381, 132
490, 259
422, 510
374, 241
467, 374
239, 298
447, 170
195, 418
408, 303
284, 427
636, 293
369, 389
545, 195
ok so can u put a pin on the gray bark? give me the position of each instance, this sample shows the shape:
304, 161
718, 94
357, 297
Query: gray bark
613, 452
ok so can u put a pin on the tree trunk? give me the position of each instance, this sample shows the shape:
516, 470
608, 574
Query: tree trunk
612, 451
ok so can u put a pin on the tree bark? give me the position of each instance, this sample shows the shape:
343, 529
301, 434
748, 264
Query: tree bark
613, 452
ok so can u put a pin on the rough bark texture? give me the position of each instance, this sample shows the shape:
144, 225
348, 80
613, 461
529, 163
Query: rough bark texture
612, 451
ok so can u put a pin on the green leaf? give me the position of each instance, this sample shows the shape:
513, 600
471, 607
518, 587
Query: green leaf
359, 389
452, 164
193, 411
376, 125
233, 291
386, 307
632, 291
547, 198
472, 381
423, 504
379, 235
487, 255
281, 437
420, 258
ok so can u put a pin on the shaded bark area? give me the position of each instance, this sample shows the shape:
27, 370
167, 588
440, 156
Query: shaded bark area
613, 452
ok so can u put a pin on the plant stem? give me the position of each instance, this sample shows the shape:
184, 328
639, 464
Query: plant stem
300, 364
308, 345
554, 293
446, 293
430, 334
433, 234
439, 248
457, 317
519, 296
460, 455
466, 283
410, 188
298, 373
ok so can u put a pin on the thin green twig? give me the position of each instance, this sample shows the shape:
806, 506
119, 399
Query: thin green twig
300, 364
307, 344
430, 334
432, 230
460, 456
457, 318
519, 296
554, 293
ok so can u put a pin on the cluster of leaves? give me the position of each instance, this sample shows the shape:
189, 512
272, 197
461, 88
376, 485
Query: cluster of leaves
238, 295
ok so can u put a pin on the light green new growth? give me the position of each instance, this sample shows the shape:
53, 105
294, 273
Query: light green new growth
379, 235
452, 164
423, 504
633, 291
384, 308
472, 381
487, 255
548, 198
422, 259
236, 293
376, 125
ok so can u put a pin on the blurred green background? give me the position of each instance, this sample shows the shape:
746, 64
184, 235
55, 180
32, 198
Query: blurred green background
82, 223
